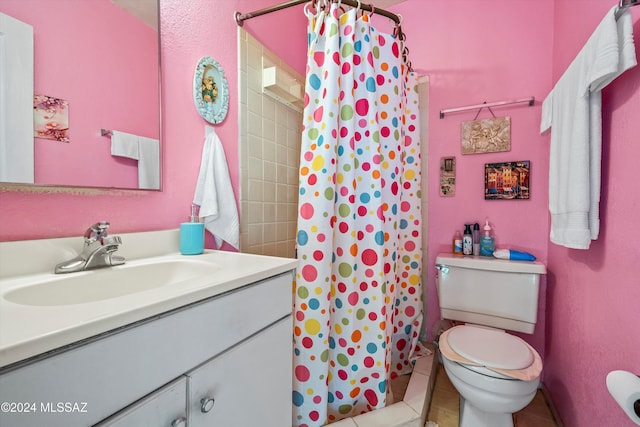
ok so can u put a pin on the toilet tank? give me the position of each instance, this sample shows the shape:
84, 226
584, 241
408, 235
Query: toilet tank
489, 291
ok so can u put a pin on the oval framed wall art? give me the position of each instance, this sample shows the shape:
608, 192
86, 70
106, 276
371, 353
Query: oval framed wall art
210, 90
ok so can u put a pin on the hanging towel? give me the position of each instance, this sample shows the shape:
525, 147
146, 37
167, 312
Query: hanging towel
573, 112
124, 145
214, 193
148, 163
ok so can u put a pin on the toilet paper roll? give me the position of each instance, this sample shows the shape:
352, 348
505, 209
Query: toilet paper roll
625, 389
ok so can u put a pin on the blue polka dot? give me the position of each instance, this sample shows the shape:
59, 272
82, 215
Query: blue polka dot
298, 399
371, 84
303, 237
314, 304
365, 197
314, 81
379, 237
372, 348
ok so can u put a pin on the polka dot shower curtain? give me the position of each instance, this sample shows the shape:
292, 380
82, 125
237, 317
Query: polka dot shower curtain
358, 293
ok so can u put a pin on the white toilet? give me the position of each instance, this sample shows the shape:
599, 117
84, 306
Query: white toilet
496, 373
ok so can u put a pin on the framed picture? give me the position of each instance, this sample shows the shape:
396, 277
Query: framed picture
506, 181
50, 118
210, 90
448, 176
486, 136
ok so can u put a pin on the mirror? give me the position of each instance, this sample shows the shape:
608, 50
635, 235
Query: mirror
96, 67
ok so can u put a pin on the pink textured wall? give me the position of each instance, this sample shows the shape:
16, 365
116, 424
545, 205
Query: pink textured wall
475, 52
190, 30
112, 87
593, 309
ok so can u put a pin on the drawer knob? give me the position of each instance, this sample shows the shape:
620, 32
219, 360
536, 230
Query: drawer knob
179, 422
207, 404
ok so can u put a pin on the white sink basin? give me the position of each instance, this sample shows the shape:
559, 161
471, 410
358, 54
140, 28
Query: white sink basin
110, 282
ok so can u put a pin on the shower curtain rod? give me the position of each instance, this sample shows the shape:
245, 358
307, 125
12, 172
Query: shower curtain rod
241, 17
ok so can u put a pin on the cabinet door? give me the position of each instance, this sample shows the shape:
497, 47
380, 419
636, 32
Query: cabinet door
166, 407
248, 385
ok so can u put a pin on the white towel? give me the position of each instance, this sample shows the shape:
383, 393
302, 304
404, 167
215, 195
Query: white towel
214, 193
148, 163
573, 112
124, 145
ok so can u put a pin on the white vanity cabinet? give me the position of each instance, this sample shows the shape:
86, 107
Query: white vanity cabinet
234, 347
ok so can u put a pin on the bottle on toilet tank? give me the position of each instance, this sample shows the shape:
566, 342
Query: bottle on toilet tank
467, 240
457, 243
487, 245
476, 239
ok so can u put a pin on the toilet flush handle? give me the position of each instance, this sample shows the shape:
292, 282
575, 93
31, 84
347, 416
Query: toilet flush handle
443, 268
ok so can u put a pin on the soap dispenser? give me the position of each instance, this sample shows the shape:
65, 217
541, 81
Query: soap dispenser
192, 234
487, 244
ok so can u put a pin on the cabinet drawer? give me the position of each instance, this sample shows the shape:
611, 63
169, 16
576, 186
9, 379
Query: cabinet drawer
165, 407
109, 373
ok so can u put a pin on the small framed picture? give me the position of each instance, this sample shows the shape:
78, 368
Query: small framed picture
448, 176
507, 180
210, 90
486, 136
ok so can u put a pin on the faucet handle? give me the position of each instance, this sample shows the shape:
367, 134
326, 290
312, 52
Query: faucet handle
97, 231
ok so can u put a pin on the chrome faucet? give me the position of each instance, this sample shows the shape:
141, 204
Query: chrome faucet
97, 251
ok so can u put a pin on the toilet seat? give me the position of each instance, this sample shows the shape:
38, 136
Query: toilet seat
491, 348
528, 373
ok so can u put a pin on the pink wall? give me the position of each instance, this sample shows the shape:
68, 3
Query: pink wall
594, 296
189, 30
114, 86
472, 51
475, 52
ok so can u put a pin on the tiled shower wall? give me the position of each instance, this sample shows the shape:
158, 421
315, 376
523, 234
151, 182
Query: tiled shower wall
269, 156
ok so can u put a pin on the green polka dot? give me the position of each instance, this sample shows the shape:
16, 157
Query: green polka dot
313, 133
360, 313
344, 210
346, 112
347, 50
328, 194
303, 292
344, 409
342, 359
345, 269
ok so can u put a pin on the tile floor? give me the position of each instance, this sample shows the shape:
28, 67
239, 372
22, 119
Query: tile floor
445, 404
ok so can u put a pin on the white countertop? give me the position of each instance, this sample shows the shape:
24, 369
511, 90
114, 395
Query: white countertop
29, 330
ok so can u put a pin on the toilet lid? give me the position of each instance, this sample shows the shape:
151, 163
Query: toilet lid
489, 347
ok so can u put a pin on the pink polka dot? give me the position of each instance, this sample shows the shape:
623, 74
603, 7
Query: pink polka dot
317, 115
309, 273
302, 373
410, 311
321, 237
353, 298
307, 342
318, 255
371, 397
306, 210
362, 107
308, 156
405, 206
401, 344
368, 361
369, 257
409, 246
314, 415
